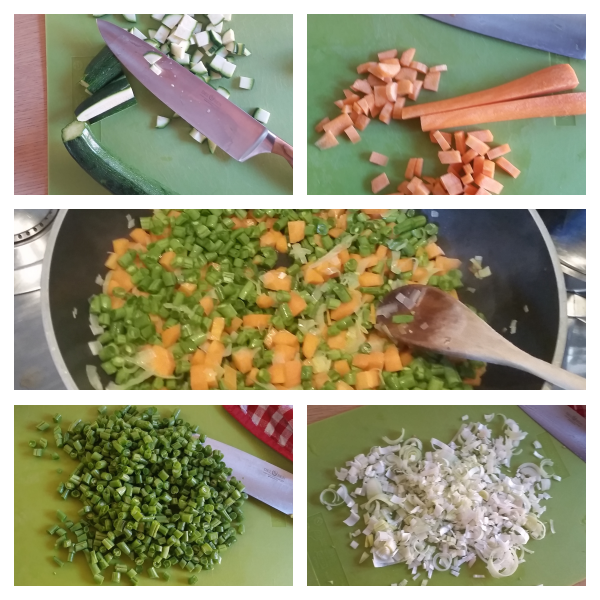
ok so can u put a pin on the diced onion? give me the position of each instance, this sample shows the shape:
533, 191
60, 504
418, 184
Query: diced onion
95, 347
93, 377
95, 326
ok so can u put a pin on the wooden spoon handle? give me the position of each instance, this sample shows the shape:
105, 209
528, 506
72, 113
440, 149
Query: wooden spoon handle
284, 149
554, 375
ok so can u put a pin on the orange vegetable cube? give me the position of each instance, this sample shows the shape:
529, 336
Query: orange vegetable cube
171, 336
342, 367
121, 246
393, 362
367, 380
242, 359
370, 280
310, 345
285, 338
277, 373
296, 231
292, 373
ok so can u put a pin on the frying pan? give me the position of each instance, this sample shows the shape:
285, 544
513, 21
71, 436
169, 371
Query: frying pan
527, 285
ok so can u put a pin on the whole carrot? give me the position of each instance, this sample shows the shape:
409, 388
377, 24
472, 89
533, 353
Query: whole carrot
557, 78
560, 105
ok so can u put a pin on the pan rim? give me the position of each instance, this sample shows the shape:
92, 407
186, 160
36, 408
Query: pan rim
70, 384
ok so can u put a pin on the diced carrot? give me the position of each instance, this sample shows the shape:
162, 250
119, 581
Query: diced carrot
470, 190
407, 56
361, 122
490, 185
352, 134
362, 106
489, 168
283, 354
326, 141
281, 245
230, 378
393, 362
120, 246
450, 157
367, 380
415, 185
277, 373
140, 236
285, 338
398, 106
277, 281
478, 165
485, 135
386, 113
166, 259
214, 354
265, 301
116, 303
202, 377
452, 184
217, 328
293, 373
410, 169
380, 95
373, 81
559, 105
468, 156
441, 140
171, 335
319, 125
432, 81
256, 321
459, 141
296, 231
337, 126
319, 380
339, 104
445, 264
419, 67
384, 70
297, 304
433, 250
341, 367
347, 308
337, 342
467, 178
112, 261
379, 183
361, 361
387, 54
418, 167
408, 74
207, 304
379, 159
242, 359
498, 151
468, 168
376, 361
557, 78
455, 169
391, 91
369, 99
364, 68
375, 110
417, 85
313, 277
482, 192
477, 145
122, 279
507, 166
438, 68
370, 280
199, 357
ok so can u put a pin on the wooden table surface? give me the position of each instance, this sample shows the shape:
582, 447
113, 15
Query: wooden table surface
318, 413
31, 126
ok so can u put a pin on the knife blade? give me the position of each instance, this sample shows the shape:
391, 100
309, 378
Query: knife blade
561, 34
196, 102
567, 426
263, 481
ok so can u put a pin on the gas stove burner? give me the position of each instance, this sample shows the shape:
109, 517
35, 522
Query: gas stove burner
30, 230
29, 223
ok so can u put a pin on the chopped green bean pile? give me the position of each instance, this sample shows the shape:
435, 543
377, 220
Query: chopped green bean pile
268, 299
152, 493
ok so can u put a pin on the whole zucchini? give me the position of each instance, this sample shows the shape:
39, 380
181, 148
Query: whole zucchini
108, 171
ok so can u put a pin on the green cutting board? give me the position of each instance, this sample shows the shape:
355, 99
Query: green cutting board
170, 155
262, 556
559, 559
549, 152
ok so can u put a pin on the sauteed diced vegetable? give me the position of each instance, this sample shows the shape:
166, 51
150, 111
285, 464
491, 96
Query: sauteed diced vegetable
269, 299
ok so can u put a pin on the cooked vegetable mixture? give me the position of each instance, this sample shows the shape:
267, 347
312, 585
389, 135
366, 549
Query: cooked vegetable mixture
269, 299
152, 494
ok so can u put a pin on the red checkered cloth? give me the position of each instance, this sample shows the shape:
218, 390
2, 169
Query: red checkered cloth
274, 425
580, 409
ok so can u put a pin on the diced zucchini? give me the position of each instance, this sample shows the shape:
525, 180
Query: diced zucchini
156, 69
228, 36
152, 33
152, 57
196, 57
228, 69
202, 39
162, 122
262, 116
216, 28
186, 27
211, 146
153, 43
138, 34
199, 68
166, 48
217, 63
230, 47
222, 51
175, 39
158, 17
215, 19
216, 37
197, 29
184, 60
194, 133
240, 49
246, 83
215, 75
247, 52
177, 51
130, 18
225, 93
227, 17
162, 34
171, 21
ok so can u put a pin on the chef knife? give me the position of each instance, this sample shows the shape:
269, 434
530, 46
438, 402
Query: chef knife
263, 481
567, 426
561, 34
196, 102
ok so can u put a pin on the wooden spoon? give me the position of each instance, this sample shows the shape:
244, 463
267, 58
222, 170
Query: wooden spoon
445, 325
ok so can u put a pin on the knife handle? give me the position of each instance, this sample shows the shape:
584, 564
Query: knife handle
284, 149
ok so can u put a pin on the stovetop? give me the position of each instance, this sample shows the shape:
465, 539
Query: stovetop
34, 368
